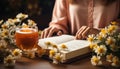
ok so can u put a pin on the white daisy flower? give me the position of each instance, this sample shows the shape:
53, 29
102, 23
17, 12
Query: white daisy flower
101, 50
21, 16
95, 60
109, 57
110, 41
17, 53
9, 60
115, 61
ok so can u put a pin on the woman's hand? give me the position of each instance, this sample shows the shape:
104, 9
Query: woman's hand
84, 31
50, 31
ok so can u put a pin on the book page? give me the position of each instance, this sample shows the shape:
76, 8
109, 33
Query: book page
55, 40
76, 44
75, 48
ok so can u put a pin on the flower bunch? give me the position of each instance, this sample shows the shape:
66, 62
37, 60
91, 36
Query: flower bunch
9, 52
9, 56
8, 28
106, 45
55, 52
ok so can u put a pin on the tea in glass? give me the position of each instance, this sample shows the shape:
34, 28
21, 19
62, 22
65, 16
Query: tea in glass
26, 38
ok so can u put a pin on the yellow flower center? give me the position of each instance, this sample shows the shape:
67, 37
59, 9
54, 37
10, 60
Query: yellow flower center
100, 50
92, 46
110, 57
96, 60
63, 46
103, 31
54, 46
52, 52
110, 41
48, 43
90, 39
16, 53
9, 61
57, 57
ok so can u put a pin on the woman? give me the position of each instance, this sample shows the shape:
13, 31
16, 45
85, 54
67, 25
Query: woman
82, 17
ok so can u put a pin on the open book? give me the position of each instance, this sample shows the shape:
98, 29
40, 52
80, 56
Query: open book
75, 47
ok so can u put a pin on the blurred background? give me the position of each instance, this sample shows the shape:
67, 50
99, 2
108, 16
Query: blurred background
38, 10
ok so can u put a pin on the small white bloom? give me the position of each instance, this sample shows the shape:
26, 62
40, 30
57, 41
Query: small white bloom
101, 50
9, 60
64, 47
95, 60
1, 21
21, 16
57, 58
90, 38
109, 57
115, 61
110, 41
30, 53
114, 48
93, 46
17, 53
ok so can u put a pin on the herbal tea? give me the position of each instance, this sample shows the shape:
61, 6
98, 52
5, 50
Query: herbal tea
26, 38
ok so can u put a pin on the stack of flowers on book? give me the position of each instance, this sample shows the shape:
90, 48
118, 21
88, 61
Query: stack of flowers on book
106, 46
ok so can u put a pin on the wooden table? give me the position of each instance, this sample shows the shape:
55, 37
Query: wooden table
42, 63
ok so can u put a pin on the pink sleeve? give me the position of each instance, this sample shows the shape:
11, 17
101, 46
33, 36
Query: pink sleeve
59, 17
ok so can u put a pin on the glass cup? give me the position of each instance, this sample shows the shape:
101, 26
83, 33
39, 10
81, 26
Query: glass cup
26, 38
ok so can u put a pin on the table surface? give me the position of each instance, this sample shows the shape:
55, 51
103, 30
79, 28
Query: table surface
42, 63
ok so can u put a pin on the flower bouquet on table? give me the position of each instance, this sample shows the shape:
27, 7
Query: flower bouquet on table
106, 46
7, 40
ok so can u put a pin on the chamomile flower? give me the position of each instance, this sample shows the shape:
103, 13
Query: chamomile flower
93, 46
51, 53
9, 60
109, 57
57, 58
48, 43
5, 33
115, 61
114, 48
103, 31
110, 41
100, 37
114, 23
21, 16
31, 23
54, 46
95, 60
2, 47
24, 25
63, 47
112, 28
4, 26
1, 21
17, 53
30, 53
101, 50
90, 38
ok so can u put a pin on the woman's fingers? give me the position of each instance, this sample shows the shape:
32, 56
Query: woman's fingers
48, 32
85, 33
79, 33
51, 32
45, 33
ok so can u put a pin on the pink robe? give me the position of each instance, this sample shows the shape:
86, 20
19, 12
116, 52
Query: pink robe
70, 17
